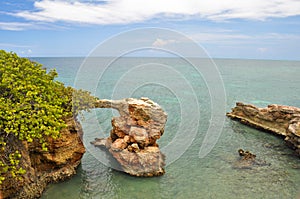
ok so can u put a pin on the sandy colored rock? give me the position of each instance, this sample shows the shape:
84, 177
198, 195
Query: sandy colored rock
134, 134
140, 135
279, 119
118, 145
146, 162
59, 163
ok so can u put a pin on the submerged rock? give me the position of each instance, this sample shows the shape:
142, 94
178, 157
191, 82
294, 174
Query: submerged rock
279, 119
246, 155
247, 160
132, 140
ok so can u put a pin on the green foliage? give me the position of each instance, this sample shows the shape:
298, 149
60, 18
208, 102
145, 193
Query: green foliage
80, 100
30, 99
13, 166
32, 106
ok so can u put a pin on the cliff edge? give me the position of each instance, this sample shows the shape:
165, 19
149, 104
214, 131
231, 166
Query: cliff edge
58, 163
279, 119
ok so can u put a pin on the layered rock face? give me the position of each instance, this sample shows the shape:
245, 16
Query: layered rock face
132, 140
59, 163
279, 119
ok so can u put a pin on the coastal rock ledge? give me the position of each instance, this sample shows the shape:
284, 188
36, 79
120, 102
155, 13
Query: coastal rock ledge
42, 168
279, 119
132, 140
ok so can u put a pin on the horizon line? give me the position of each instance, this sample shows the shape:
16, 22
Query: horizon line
166, 57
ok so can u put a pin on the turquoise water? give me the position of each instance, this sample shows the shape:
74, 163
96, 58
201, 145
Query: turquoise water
214, 176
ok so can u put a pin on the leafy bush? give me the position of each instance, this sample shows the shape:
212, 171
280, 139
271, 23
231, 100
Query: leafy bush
33, 105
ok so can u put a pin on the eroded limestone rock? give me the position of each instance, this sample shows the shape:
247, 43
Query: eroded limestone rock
132, 140
279, 119
58, 163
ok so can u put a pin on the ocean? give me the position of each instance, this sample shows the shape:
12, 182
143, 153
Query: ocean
200, 143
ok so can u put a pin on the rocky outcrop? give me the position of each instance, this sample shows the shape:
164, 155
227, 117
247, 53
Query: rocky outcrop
248, 160
246, 155
59, 163
132, 140
279, 119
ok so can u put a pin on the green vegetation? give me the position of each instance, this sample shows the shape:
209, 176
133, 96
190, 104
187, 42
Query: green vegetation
33, 105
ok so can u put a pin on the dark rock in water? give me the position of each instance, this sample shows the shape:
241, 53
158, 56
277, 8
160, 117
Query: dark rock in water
132, 140
246, 155
247, 160
281, 120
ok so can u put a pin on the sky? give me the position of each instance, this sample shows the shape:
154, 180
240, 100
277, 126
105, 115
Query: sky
247, 29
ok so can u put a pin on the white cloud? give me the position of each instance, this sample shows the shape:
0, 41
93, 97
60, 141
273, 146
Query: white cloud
132, 11
209, 37
26, 52
224, 37
16, 26
161, 42
9, 45
19, 26
262, 50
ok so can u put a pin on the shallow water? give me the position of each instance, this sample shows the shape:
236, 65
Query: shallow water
214, 176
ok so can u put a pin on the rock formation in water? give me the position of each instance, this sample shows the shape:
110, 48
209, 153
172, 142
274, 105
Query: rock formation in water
279, 119
248, 160
132, 143
246, 155
58, 163
132, 140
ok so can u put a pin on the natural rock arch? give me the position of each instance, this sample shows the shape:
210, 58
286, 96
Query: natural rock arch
132, 140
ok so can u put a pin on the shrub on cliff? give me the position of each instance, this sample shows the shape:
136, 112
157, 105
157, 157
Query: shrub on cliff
33, 105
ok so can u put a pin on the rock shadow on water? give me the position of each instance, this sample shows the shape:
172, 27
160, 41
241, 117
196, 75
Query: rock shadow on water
111, 161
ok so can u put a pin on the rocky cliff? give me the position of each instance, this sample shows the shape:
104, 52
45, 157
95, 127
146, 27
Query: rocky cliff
132, 143
281, 120
59, 163
132, 140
